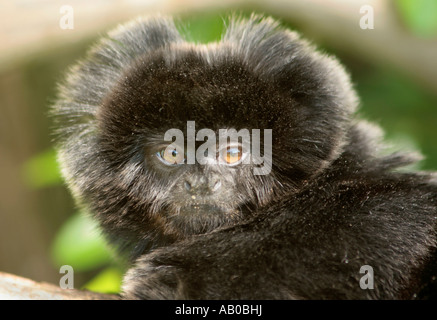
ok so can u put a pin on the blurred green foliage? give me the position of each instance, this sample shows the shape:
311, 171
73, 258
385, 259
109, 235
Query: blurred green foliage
79, 244
203, 28
420, 16
407, 112
107, 281
42, 170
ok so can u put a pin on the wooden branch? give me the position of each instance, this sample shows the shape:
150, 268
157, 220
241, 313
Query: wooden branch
17, 288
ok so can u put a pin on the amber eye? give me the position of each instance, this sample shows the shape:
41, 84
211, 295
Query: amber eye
232, 155
171, 156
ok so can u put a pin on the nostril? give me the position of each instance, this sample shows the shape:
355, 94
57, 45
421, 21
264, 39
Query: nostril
216, 185
187, 185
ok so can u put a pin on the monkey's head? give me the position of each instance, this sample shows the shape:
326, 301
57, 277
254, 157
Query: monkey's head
141, 121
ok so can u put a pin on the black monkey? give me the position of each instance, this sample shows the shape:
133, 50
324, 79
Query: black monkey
330, 204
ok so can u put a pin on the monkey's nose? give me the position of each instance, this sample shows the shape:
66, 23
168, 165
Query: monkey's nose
187, 186
202, 185
215, 184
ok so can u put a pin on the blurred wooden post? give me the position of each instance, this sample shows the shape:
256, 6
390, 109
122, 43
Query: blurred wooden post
30, 28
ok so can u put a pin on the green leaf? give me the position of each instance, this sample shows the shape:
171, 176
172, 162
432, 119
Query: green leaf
42, 170
80, 245
420, 16
107, 281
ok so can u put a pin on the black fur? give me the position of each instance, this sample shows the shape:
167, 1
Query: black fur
330, 205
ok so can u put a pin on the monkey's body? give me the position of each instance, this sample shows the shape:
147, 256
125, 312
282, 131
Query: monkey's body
330, 205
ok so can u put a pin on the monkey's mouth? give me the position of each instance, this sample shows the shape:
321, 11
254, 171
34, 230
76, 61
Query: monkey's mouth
195, 218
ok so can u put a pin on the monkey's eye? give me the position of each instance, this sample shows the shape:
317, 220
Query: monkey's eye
171, 156
232, 155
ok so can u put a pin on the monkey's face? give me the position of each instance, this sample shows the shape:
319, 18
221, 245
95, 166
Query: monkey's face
201, 178
196, 198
